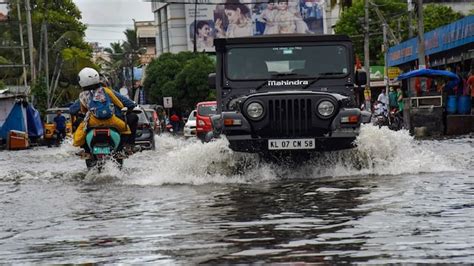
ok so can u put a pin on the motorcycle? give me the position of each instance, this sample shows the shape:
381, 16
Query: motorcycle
393, 121
104, 145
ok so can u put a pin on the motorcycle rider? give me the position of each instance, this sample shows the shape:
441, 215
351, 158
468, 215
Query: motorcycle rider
99, 104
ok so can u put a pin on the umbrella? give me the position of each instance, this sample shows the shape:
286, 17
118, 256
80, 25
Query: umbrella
430, 73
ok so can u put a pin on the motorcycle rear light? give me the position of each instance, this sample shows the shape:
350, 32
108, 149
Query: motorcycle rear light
353, 119
101, 131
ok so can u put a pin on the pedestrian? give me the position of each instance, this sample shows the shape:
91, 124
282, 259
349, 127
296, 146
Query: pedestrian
470, 85
382, 98
392, 99
60, 125
175, 122
400, 100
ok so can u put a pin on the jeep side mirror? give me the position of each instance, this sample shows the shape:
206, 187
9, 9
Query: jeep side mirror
360, 78
212, 81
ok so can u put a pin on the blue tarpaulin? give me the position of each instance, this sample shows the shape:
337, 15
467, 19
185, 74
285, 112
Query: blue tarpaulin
430, 73
35, 126
14, 121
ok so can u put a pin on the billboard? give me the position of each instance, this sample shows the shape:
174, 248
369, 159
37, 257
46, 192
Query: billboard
240, 18
3, 10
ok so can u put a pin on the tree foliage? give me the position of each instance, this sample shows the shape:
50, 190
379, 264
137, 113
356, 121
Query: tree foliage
395, 13
182, 76
435, 16
68, 52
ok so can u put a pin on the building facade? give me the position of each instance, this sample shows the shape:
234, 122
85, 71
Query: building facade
178, 28
146, 37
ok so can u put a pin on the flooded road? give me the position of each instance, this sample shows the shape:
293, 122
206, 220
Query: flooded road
391, 200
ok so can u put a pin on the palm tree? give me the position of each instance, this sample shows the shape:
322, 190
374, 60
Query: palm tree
114, 66
123, 55
131, 49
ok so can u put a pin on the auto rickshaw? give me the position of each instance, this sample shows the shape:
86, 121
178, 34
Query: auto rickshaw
50, 128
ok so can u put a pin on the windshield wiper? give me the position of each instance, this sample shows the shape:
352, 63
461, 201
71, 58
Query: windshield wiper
320, 76
261, 85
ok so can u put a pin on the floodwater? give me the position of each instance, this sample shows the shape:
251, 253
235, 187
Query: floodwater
390, 200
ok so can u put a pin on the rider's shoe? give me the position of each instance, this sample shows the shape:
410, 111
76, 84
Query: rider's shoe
130, 149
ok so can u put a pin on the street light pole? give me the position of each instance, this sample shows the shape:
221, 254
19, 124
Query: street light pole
421, 37
195, 25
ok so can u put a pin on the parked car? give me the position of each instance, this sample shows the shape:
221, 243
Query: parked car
154, 120
190, 126
203, 118
145, 136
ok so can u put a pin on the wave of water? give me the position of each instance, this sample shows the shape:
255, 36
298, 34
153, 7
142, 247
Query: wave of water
379, 151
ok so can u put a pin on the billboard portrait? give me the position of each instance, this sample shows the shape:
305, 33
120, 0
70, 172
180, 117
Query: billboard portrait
3, 10
241, 18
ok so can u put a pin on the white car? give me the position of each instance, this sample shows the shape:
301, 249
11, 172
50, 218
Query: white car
190, 126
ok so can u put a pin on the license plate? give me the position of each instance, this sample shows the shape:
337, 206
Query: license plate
101, 150
291, 144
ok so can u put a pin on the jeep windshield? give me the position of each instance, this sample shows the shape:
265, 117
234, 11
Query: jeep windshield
259, 63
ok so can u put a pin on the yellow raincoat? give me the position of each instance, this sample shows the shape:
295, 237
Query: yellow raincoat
79, 137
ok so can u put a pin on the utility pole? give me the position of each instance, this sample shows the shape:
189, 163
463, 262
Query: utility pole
195, 26
410, 18
367, 52
421, 37
385, 51
23, 60
46, 64
30, 40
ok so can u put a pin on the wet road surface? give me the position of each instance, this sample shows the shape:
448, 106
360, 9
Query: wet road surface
391, 200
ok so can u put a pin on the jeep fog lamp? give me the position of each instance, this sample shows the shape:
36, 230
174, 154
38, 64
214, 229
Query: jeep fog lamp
255, 110
326, 108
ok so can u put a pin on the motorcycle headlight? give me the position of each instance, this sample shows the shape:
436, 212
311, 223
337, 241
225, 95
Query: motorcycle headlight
326, 109
255, 111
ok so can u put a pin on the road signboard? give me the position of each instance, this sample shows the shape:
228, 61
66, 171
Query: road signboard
168, 102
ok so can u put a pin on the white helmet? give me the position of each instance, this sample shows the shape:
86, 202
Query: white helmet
88, 77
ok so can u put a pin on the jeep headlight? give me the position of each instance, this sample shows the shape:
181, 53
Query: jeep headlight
255, 110
326, 109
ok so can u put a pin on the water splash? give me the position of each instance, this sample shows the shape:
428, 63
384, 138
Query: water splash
379, 151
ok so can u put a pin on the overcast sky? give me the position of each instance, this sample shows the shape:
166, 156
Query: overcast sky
108, 19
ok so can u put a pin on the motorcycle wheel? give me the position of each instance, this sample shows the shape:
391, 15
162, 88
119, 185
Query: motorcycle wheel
91, 163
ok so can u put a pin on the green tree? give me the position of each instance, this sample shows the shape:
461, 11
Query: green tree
435, 16
114, 65
351, 23
65, 31
182, 76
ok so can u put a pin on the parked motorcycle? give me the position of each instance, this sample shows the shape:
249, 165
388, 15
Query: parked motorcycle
104, 145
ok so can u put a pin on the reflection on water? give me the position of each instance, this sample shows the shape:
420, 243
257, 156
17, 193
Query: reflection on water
190, 202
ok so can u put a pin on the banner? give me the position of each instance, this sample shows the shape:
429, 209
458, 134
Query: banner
3, 10
233, 18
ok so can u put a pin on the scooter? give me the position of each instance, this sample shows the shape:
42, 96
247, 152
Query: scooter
104, 145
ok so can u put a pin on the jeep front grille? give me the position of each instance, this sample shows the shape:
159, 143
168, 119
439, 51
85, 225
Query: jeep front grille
289, 117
